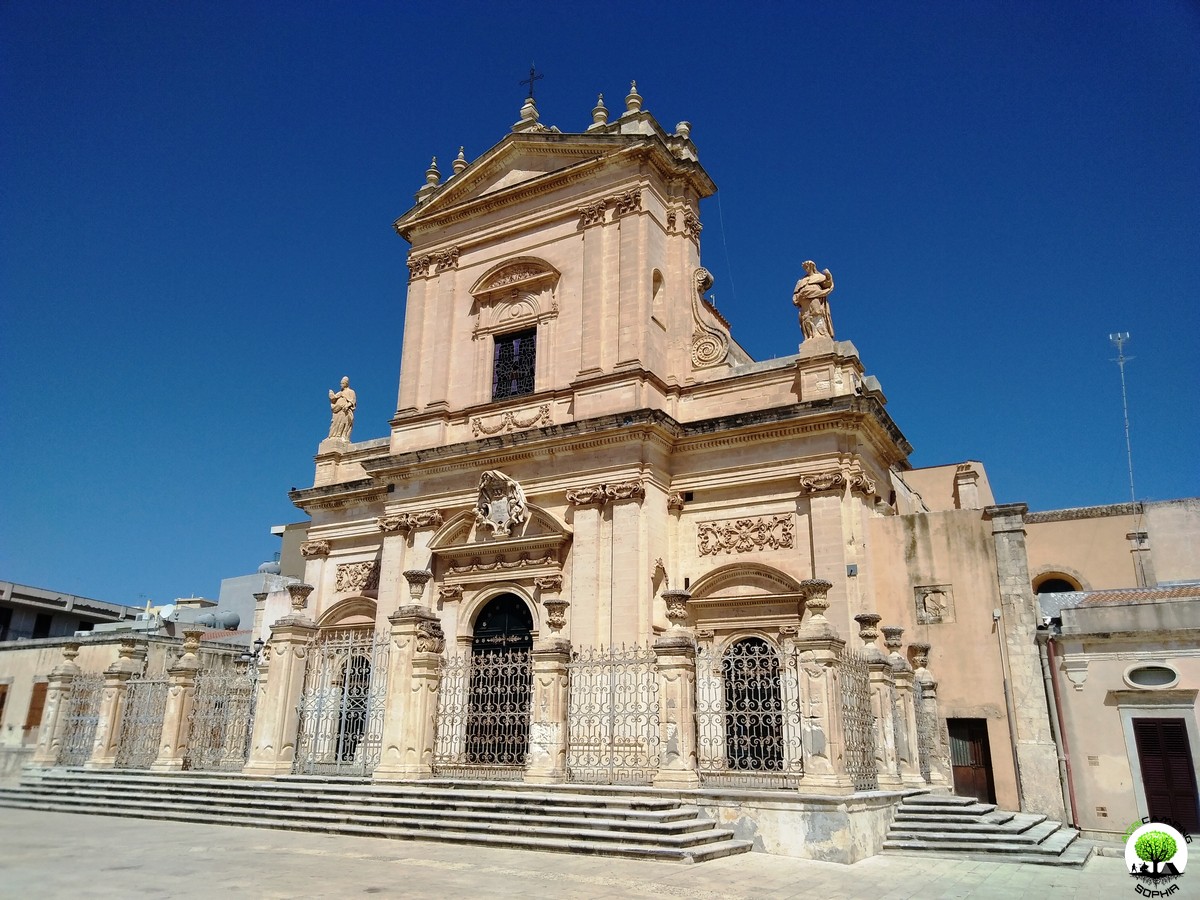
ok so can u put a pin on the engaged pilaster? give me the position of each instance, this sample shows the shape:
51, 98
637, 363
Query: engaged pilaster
906, 718
939, 749
277, 718
818, 651
173, 744
411, 705
883, 703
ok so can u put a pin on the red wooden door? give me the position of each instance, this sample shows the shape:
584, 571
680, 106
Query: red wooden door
971, 759
1168, 772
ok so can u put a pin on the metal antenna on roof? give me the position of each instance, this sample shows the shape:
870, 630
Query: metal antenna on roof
1119, 339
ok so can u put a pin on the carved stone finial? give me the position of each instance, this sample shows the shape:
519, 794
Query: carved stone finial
920, 653
528, 120
633, 101
460, 161
432, 175
416, 579
684, 130
677, 601
299, 593
893, 637
191, 640
342, 404
556, 613
810, 296
815, 592
70, 650
599, 114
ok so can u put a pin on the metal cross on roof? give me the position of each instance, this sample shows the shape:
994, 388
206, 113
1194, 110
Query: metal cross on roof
533, 76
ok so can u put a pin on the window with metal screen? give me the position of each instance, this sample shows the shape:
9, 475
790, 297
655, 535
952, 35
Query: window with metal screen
512, 374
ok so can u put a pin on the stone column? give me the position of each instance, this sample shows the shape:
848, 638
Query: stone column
395, 529
175, 733
260, 613
277, 716
906, 735
939, 754
54, 716
1037, 754
112, 706
818, 652
675, 653
883, 703
412, 692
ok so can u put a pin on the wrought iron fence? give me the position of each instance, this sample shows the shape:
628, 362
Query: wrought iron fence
342, 705
81, 714
482, 726
221, 720
613, 716
747, 717
141, 721
858, 722
925, 734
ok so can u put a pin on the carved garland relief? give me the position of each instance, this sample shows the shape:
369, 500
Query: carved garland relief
745, 535
431, 518
511, 421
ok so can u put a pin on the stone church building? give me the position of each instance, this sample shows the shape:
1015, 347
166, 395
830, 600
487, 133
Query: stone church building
603, 545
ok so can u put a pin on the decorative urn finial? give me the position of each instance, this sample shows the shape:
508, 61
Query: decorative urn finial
633, 102
460, 161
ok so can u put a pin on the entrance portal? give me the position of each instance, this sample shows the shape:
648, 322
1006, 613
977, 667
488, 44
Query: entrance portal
971, 759
501, 684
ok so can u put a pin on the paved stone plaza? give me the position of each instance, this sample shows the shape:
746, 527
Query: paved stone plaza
50, 855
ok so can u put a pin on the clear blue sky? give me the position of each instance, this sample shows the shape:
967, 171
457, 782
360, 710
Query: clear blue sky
196, 200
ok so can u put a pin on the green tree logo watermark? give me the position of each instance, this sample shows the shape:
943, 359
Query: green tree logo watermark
1156, 848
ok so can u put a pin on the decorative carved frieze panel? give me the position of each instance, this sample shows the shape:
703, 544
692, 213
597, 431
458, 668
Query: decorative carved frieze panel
745, 535
314, 549
438, 261
592, 214
499, 564
356, 577
512, 420
935, 604
621, 204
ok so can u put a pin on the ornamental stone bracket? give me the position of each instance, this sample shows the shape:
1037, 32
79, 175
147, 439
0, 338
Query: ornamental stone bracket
405, 522
621, 204
614, 492
837, 480
550, 587
314, 549
433, 263
710, 331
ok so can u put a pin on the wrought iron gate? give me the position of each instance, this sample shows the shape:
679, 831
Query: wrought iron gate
482, 728
342, 707
613, 716
858, 722
81, 714
924, 730
141, 721
747, 717
221, 720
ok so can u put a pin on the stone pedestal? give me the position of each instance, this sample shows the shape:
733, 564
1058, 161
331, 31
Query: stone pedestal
906, 718
182, 691
883, 703
546, 760
675, 653
277, 716
412, 694
940, 775
54, 717
112, 706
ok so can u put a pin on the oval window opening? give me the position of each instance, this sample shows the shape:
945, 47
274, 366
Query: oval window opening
1152, 676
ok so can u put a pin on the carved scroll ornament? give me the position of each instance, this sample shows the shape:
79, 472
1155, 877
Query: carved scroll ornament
745, 535
314, 549
361, 576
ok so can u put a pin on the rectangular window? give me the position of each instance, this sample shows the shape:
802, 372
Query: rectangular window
41, 625
3, 700
512, 374
37, 702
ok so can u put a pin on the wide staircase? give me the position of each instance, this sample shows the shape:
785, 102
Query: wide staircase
946, 825
568, 818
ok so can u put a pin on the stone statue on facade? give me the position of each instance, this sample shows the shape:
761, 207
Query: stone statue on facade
811, 297
501, 505
342, 403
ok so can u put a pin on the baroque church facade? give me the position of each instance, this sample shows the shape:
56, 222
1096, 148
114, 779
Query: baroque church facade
603, 545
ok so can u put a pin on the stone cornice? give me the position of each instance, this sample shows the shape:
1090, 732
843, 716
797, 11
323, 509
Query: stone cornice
1083, 512
335, 496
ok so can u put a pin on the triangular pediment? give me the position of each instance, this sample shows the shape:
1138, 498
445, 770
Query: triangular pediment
533, 162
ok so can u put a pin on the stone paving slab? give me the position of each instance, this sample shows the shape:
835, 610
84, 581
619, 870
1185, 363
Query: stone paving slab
52, 855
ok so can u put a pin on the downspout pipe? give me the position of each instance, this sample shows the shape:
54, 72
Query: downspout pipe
1058, 728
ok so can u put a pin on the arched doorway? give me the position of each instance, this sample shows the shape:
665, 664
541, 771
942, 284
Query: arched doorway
753, 707
501, 684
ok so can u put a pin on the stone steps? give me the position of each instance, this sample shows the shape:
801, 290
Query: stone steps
961, 826
622, 823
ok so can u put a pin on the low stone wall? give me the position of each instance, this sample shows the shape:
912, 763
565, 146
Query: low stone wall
12, 760
829, 829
